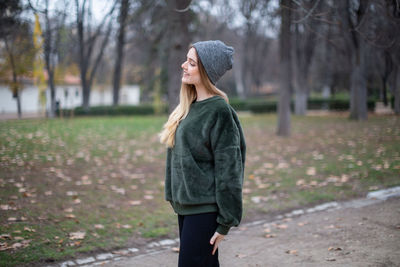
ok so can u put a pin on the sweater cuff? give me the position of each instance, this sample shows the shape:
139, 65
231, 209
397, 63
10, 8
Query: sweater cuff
222, 229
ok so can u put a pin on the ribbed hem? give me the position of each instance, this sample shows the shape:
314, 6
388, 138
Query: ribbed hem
222, 229
193, 209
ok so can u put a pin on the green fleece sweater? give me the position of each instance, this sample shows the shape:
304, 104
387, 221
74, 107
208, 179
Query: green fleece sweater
205, 168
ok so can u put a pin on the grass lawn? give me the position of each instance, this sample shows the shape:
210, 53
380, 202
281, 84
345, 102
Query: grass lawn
84, 185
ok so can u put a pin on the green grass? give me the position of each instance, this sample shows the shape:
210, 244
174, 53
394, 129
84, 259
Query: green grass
67, 175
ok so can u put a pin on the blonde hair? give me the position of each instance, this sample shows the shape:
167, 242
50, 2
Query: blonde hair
186, 96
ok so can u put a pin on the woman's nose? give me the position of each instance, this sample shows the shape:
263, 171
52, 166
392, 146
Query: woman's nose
183, 65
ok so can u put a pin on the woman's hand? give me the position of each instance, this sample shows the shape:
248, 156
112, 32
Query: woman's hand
217, 237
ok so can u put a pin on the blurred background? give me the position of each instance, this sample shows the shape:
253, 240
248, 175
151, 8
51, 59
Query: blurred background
74, 55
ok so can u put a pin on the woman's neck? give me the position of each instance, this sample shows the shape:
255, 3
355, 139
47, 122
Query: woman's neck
202, 93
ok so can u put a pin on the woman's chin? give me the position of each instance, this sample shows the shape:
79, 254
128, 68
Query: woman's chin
185, 81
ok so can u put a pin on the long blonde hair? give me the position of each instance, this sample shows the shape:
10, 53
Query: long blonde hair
186, 96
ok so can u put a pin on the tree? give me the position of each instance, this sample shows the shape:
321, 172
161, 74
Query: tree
38, 63
285, 89
353, 15
122, 20
9, 16
19, 53
179, 37
391, 11
254, 43
304, 46
87, 39
54, 21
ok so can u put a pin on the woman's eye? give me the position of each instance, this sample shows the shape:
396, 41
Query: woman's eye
191, 64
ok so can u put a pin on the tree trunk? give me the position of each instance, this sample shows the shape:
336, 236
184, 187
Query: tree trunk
179, 40
384, 90
120, 50
239, 81
300, 102
396, 90
358, 90
50, 83
285, 70
86, 45
19, 105
385, 75
245, 73
14, 85
85, 95
17, 95
48, 47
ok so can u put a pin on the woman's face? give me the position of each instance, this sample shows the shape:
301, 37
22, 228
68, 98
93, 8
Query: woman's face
191, 74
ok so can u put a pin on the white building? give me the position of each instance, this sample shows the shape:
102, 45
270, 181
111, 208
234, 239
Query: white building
69, 96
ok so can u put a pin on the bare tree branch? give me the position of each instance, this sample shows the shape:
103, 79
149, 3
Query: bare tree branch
308, 13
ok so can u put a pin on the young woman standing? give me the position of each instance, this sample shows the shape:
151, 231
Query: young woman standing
205, 156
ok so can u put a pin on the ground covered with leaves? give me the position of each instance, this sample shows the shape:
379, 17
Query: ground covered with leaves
84, 185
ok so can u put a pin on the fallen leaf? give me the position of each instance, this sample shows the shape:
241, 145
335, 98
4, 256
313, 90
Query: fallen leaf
135, 202
5, 207
311, 171
72, 193
16, 245
4, 246
262, 186
5, 236
292, 252
99, 226
270, 235
344, 178
247, 190
241, 256
282, 226
77, 235
26, 228
121, 252
302, 223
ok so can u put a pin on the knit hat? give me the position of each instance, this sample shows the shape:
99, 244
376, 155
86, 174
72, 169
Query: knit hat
216, 58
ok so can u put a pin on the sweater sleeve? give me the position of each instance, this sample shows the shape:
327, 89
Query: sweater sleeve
229, 165
167, 187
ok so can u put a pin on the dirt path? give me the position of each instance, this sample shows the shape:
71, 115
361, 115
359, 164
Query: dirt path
360, 233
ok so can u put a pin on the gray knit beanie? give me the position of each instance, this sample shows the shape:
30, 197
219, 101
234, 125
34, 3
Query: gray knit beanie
216, 58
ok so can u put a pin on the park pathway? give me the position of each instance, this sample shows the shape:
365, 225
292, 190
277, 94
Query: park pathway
363, 232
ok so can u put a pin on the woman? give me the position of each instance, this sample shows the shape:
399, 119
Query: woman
205, 156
